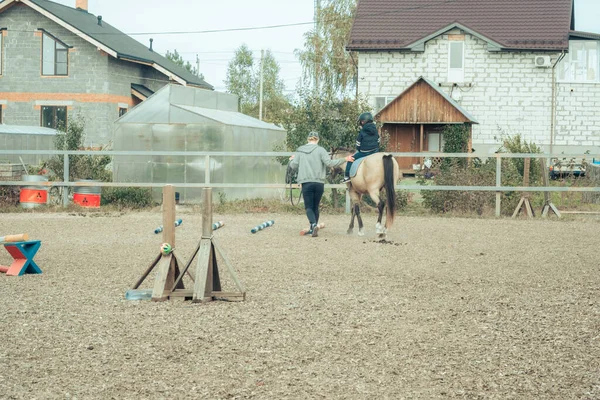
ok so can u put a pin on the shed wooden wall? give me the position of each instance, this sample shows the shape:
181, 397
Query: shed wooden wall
421, 104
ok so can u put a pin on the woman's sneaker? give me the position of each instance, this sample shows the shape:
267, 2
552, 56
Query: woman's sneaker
315, 230
346, 179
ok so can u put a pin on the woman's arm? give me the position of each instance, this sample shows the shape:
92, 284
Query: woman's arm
336, 162
293, 162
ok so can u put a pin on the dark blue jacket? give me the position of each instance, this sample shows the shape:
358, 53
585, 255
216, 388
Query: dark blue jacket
368, 138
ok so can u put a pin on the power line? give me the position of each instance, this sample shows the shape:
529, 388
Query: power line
331, 20
250, 28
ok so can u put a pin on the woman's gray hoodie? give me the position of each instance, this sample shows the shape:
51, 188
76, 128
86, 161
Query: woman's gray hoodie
311, 160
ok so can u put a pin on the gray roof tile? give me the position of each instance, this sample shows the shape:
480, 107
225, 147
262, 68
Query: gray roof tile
124, 45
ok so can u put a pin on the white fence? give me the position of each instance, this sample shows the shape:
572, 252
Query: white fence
498, 188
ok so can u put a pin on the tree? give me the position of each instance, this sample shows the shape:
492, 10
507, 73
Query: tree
335, 119
243, 80
239, 80
80, 166
177, 59
326, 64
326, 102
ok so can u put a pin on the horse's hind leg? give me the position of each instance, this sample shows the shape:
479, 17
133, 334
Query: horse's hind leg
379, 229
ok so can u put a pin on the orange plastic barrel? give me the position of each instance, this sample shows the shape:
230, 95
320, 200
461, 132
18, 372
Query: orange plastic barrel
33, 196
87, 196
87, 200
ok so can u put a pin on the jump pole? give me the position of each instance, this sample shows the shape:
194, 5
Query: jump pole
21, 237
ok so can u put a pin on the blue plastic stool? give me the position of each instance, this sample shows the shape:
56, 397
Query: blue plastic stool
22, 253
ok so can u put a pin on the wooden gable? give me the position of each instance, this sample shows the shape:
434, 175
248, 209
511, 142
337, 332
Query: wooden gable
422, 103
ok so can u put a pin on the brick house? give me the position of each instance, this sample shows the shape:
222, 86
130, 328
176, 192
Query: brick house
58, 61
513, 66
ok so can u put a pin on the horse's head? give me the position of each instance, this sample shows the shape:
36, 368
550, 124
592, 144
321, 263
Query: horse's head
337, 153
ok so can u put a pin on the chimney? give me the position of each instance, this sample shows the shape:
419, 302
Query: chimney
81, 4
100, 20
151, 40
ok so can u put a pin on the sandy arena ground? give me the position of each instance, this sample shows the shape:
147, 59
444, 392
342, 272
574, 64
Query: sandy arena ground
448, 308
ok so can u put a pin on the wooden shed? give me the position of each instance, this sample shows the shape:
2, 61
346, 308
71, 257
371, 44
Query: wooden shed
416, 118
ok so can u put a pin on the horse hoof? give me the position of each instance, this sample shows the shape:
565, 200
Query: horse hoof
349, 231
361, 233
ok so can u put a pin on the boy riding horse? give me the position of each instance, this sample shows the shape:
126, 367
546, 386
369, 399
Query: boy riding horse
367, 142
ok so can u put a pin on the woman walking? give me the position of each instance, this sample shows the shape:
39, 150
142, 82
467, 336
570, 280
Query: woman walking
311, 161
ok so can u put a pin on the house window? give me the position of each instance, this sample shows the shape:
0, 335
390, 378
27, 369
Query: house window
435, 142
382, 101
122, 111
456, 61
54, 117
582, 62
55, 56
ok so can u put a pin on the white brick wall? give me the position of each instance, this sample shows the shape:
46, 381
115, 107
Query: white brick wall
507, 92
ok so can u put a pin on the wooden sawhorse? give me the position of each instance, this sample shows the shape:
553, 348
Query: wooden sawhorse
22, 253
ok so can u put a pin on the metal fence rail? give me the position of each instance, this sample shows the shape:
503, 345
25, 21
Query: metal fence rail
498, 188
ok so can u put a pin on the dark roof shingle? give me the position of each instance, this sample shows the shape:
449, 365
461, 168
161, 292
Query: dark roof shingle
124, 45
514, 24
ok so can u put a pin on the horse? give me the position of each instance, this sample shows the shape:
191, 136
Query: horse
375, 172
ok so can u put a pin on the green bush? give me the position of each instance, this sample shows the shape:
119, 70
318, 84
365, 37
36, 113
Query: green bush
80, 166
458, 172
402, 197
122, 197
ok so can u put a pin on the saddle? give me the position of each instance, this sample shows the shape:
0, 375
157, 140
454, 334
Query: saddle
356, 164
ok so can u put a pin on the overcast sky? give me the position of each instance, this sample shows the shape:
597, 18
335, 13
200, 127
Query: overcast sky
215, 50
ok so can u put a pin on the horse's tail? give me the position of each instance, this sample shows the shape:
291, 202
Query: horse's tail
390, 190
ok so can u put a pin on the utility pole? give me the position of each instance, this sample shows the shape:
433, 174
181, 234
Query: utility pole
260, 102
317, 8
197, 65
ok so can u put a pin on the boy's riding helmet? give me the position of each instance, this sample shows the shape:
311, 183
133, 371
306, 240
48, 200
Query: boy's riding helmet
367, 117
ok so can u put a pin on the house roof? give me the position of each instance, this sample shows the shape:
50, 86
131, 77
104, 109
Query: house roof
510, 24
421, 107
112, 40
584, 35
143, 90
229, 117
175, 104
26, 130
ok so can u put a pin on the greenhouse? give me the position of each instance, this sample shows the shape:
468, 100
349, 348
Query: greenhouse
15, 137
178, 118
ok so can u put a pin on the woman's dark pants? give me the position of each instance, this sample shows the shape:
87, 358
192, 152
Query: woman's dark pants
312, 193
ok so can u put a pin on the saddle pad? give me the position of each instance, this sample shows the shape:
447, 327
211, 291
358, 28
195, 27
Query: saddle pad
355, 166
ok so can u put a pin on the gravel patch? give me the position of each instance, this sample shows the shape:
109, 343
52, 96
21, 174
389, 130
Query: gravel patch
444, 308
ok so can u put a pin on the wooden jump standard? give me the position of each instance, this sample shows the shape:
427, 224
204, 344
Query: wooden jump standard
207, 284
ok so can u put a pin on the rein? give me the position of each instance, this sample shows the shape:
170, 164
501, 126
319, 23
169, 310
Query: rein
290, 177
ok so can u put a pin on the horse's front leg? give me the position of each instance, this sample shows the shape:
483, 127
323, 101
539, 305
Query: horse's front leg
351, 227
361, 230
355, 203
